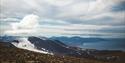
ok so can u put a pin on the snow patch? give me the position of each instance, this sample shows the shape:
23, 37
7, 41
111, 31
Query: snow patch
25, 44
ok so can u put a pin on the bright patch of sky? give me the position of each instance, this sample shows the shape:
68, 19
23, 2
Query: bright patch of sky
85, 18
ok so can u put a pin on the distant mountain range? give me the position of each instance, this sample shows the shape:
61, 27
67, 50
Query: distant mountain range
77, 41
95, 43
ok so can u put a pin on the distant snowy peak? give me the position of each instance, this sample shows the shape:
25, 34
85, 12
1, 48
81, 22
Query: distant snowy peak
24, 43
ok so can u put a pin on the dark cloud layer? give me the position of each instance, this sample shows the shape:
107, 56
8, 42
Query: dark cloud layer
119, 7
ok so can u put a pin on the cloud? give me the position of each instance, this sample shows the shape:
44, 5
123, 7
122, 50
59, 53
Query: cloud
25, 26
58, 17
61, 9
54, 22
29, 21
9, 19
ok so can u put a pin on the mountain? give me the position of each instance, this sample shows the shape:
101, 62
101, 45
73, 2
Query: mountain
7, 38
54, 46
45, 45
76, 41
24, 43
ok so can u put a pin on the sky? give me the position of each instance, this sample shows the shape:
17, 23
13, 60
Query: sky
84, 18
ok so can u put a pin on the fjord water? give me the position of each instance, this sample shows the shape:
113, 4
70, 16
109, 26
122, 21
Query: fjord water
105, 45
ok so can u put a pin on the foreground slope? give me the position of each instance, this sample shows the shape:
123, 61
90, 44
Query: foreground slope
9, 53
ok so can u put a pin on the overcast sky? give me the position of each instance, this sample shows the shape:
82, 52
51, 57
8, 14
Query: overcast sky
85, 18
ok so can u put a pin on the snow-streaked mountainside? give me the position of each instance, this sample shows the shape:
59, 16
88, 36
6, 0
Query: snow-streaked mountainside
24, 43
54, 46
44, 45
